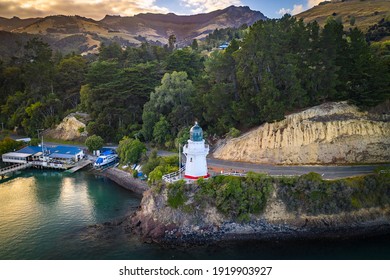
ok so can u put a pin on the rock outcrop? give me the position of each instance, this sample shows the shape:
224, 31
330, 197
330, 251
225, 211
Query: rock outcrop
332, 133
72, 127
155, 221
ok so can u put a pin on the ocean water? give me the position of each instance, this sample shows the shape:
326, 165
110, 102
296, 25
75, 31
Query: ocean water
53, 215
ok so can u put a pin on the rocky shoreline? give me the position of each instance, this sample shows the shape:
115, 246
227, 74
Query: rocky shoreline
155, 222
229, 232
152, 231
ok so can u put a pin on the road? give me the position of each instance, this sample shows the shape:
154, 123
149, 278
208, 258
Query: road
327, 171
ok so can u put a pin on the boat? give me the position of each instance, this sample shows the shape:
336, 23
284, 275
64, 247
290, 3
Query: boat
105, 158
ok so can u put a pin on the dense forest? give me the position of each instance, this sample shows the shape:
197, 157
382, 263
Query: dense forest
155, 93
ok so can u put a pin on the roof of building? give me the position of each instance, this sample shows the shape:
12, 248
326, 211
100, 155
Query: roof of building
66, 150
16, 154
223, 46
57, 151
58, 155
31, 150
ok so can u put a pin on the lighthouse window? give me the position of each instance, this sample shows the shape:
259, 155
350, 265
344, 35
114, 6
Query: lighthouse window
190, 159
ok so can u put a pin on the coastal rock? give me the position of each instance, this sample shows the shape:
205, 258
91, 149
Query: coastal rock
72, 127
331, 133
156, 221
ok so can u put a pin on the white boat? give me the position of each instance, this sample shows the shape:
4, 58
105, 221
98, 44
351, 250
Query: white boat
105, 158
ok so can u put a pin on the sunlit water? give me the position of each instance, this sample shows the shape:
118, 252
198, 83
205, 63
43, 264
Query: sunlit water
51, 215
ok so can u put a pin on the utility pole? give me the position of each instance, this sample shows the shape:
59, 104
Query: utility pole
179, 162
41, 129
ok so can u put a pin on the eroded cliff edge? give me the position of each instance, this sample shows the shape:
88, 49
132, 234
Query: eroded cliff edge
264, 208
332, 133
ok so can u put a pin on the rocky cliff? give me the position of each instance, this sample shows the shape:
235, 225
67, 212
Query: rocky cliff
195, 223
72, 128
332, 133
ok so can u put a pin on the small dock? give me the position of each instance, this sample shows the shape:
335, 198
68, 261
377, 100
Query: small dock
13, 168
79, 166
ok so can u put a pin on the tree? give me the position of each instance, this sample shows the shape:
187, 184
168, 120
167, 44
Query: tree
185, 60
172, 100
94, 143
194, 45
38, 68
9, 145
171, 42
112, 51
117, 95
161, 131
130, 150
70, 76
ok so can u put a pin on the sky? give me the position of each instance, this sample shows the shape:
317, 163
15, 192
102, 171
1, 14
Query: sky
97, 9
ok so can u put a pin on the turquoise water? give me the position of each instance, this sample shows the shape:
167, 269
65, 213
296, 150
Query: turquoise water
51, 215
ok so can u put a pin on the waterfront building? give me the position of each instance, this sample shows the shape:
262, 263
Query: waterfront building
56, 154
27, 154
196, 151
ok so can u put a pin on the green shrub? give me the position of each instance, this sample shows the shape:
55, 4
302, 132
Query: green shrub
176, 197
94, 143
235, 197
234, 132
311, 195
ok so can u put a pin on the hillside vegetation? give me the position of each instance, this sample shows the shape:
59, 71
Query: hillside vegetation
155, 93
352, 13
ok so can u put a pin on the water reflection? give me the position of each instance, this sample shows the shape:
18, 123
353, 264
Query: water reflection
42, 214
48, 192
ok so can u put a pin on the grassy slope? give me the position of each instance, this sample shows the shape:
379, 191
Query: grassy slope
366, 12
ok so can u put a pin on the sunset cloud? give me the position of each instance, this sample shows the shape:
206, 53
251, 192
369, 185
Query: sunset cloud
299, 8
204, 6
96, 9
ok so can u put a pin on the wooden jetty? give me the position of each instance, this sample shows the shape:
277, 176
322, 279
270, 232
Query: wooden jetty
13, 168
80, 165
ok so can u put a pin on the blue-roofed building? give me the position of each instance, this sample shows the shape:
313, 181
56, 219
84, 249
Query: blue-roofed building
29, 153
56, 154
30, 150
65, 153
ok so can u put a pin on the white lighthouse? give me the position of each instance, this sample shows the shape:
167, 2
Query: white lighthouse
196, 151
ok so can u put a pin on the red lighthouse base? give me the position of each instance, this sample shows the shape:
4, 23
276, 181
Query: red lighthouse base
196, 177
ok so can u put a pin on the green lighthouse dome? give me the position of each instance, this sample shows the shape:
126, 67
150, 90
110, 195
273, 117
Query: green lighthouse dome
196, 133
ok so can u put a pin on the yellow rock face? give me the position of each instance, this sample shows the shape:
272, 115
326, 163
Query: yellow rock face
329, 133
68, 129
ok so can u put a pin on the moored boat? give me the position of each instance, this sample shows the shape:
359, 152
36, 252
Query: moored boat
105, 158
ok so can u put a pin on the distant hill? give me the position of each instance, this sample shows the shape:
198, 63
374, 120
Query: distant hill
84, 35
360, 13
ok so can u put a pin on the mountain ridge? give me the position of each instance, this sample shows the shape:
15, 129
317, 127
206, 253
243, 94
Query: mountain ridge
133, 30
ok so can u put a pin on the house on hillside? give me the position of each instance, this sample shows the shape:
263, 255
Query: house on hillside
224, 46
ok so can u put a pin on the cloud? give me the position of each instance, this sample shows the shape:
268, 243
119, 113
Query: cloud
96, 9
299, 8
204, 6
312, 3
296, 10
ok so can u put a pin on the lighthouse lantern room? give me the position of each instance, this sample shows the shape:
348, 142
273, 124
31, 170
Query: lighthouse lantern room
196, 151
